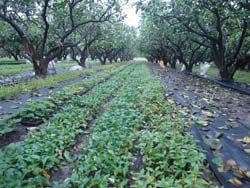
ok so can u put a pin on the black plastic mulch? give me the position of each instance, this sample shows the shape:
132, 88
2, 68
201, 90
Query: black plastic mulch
222, 129
230, 85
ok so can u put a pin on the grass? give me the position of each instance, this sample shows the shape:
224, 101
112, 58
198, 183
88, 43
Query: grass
240, 76
50, 81
4, 60
9, 70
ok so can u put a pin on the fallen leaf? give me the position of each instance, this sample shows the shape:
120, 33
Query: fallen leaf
221, 169
60, 152
248, 174
202, 123
235, 181
223, 127
247, 151
240, 173
214, 144
31, 128
45, 174
218, 134
218, 161
234, 125
207, 113
229, 164
246, 140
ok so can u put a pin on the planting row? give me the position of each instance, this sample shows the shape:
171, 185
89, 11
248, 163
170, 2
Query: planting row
36, 112
28, 163
139, 142
9, 91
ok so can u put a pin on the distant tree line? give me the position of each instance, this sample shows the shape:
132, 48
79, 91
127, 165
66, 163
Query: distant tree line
42, 31
196, 31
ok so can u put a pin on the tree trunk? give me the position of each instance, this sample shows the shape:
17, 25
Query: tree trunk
15, 56
226, 75
110, 61
224, 71
189, 68
173, 65
165, 61
41, 70
84, 56
102, 60
83, 61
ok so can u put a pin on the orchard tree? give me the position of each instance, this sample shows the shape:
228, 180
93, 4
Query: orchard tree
9, 42
44, 27
219, 27
116, 41
222, 25
85, 37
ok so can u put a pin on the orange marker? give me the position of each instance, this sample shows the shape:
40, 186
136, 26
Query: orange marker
162, 64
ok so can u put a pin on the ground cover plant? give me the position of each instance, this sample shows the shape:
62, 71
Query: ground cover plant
9, 70
138, 143
5, 60
35, 112
35, 84
136, 122
27, 164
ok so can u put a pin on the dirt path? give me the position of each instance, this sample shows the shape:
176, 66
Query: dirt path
220, 120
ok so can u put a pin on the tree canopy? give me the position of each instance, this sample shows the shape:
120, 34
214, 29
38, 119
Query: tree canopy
47, 28
194, 31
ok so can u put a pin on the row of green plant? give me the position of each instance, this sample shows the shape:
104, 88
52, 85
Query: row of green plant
108, 155
171, 157
29, 163
139, 120
50, 81
36, 112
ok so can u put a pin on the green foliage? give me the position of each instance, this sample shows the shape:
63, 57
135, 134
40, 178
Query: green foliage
36, 110
115, 41
35, 84
27, 164
8, 70
139, 119
195, 32
11, 61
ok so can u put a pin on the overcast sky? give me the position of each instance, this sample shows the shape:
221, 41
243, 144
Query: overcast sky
132, 18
